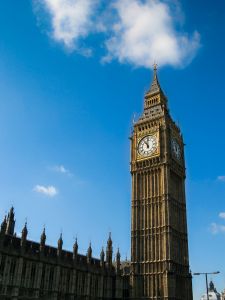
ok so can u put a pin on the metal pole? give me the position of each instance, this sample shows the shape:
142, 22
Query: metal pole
207, 288
206, 280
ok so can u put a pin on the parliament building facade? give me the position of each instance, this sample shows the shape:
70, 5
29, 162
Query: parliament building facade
159, 265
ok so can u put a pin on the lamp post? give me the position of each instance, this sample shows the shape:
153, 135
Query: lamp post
206, 280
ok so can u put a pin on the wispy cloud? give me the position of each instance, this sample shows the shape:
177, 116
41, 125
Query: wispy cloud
49, 191
216, 228
71, 20
61, 169
221, 178
222, 215
137, 32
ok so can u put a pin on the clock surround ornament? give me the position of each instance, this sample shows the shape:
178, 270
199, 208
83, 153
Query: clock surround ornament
176, 149
148, 145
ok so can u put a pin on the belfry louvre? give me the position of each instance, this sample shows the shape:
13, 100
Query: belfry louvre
159, 265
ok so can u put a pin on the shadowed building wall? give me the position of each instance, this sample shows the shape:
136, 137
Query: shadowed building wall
30, 270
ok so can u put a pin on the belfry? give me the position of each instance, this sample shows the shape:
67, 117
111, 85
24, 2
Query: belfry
159, 241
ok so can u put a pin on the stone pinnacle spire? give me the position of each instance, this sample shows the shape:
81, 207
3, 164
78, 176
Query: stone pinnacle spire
155, 86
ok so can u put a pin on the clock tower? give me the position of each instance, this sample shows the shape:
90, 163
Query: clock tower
159, 240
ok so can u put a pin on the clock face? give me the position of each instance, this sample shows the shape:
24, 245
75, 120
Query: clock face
147, 145
176, 149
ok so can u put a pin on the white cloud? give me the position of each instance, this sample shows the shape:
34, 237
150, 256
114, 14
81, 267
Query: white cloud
216, 228
61, 169
222, 215
137, 32
221, 178
71, 20
49, 191
145, 32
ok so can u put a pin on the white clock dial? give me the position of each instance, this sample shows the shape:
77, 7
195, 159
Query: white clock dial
176, 149
147, 145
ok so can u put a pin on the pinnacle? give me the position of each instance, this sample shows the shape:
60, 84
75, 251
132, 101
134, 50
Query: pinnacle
155, 86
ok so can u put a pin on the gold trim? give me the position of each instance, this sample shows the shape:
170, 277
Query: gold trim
155, 153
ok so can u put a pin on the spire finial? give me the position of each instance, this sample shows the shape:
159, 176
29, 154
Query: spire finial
155, 66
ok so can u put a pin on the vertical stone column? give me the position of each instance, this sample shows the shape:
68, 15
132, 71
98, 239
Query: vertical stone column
56, 283
88, 288
38, 276
28, 274
73, 287
17, 278
119, 287
101, 287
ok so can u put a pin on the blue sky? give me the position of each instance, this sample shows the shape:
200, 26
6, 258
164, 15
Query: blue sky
71, 79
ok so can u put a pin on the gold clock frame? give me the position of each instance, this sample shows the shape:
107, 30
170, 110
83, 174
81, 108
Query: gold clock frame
155, 153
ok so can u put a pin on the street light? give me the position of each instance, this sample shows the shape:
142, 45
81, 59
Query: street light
206, 279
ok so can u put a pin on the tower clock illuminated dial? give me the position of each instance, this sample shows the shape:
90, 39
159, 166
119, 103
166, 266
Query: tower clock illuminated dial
147, 145
176, 149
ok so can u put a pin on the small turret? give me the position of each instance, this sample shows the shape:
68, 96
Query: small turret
42, 241
89, 254
118, 261
60, 244
109, 251
10, 222
102, 257
24, 235
75, 250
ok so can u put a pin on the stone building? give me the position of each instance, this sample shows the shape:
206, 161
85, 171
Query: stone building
30, 270
159, 266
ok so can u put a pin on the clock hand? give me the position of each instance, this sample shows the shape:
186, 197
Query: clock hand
147, 144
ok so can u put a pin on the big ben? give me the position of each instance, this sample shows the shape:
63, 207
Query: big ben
159, 240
